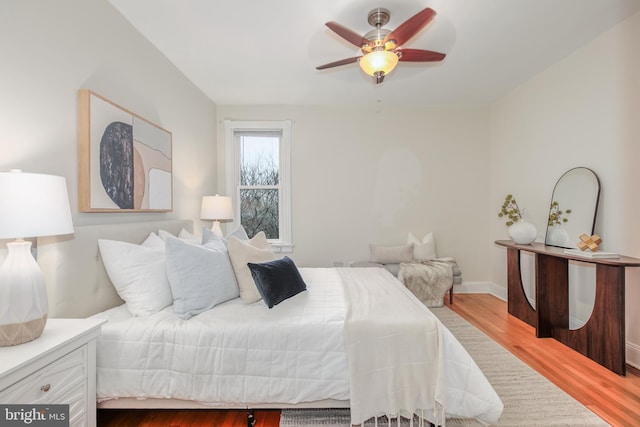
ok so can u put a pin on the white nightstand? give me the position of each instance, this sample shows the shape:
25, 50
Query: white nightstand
59, 367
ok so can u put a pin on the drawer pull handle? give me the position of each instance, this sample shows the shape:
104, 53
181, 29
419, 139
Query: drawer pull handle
46, 387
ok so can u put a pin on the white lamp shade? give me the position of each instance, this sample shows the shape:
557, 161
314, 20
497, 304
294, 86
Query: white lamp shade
378, 61
216, 208
33, 205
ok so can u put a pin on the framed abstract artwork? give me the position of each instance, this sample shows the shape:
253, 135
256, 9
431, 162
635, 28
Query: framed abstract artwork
124, 160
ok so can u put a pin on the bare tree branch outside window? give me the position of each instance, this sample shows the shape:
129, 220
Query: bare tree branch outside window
259, 196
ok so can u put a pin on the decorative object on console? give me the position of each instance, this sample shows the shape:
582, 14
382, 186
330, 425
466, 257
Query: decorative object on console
523, 232
589, 242
589, 254
520, 231
125, 161
382, 49
31, 205
578, 188
216, 208
590, 248
511, 210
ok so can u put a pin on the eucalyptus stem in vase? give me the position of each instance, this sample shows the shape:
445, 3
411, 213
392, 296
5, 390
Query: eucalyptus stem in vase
511, 210
520, 231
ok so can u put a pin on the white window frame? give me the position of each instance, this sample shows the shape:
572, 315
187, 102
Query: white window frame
232, 162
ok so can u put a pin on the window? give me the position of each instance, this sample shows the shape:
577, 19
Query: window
259, 178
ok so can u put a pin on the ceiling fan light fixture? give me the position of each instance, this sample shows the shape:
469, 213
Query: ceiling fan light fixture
378, 63
382, 49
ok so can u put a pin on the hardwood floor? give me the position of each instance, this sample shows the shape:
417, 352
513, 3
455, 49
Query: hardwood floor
614, 398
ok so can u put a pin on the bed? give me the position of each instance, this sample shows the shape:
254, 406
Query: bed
310, 350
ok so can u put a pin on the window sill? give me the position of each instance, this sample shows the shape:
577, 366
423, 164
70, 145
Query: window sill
284, 248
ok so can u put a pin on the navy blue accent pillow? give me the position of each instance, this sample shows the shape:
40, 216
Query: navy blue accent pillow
277, 280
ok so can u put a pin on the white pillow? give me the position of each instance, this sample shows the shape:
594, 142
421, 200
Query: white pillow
153, 241
183, 234
164, 234
423, 250
207, 235
200, 277
139, 275
254, 250
391, 254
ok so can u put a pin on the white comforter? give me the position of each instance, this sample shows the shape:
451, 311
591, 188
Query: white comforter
247, 354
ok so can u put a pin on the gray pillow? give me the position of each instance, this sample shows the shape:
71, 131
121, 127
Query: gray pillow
200, 277
391, 254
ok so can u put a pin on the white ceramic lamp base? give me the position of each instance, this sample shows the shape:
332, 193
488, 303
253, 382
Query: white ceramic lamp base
23, 296
215, 229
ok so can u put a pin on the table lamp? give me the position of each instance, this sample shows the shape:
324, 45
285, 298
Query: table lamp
216, 208
31, 205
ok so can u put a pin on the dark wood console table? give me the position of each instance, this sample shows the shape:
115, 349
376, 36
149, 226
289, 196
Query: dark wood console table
602, 337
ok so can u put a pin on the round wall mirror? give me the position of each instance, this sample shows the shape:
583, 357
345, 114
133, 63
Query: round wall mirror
573, 208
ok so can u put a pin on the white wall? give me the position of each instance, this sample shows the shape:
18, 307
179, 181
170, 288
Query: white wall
50, 50
583, 111
371, 175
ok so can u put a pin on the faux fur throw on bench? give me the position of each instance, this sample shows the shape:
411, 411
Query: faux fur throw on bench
428, 280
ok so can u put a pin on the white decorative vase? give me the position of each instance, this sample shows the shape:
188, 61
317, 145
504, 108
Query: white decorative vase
523, 232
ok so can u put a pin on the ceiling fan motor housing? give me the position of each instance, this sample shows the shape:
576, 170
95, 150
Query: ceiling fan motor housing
376, 41
379, 17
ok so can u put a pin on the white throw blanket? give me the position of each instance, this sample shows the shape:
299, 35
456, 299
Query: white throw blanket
394, 349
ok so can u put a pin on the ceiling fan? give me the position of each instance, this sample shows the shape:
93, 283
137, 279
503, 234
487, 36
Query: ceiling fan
381, 48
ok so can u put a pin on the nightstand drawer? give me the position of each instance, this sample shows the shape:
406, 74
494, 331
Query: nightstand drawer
77, 400
52, 383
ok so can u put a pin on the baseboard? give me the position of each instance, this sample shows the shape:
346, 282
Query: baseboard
481, 288
633, 354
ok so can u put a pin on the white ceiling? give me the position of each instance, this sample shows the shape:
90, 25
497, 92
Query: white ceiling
264, 52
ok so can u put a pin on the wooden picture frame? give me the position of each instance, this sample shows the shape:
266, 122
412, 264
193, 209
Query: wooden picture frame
125, 161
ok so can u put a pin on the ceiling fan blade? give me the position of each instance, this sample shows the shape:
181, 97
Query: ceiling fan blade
419, 55
411, 26
338, 63
347, 34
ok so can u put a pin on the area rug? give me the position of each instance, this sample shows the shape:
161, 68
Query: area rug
529, 398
